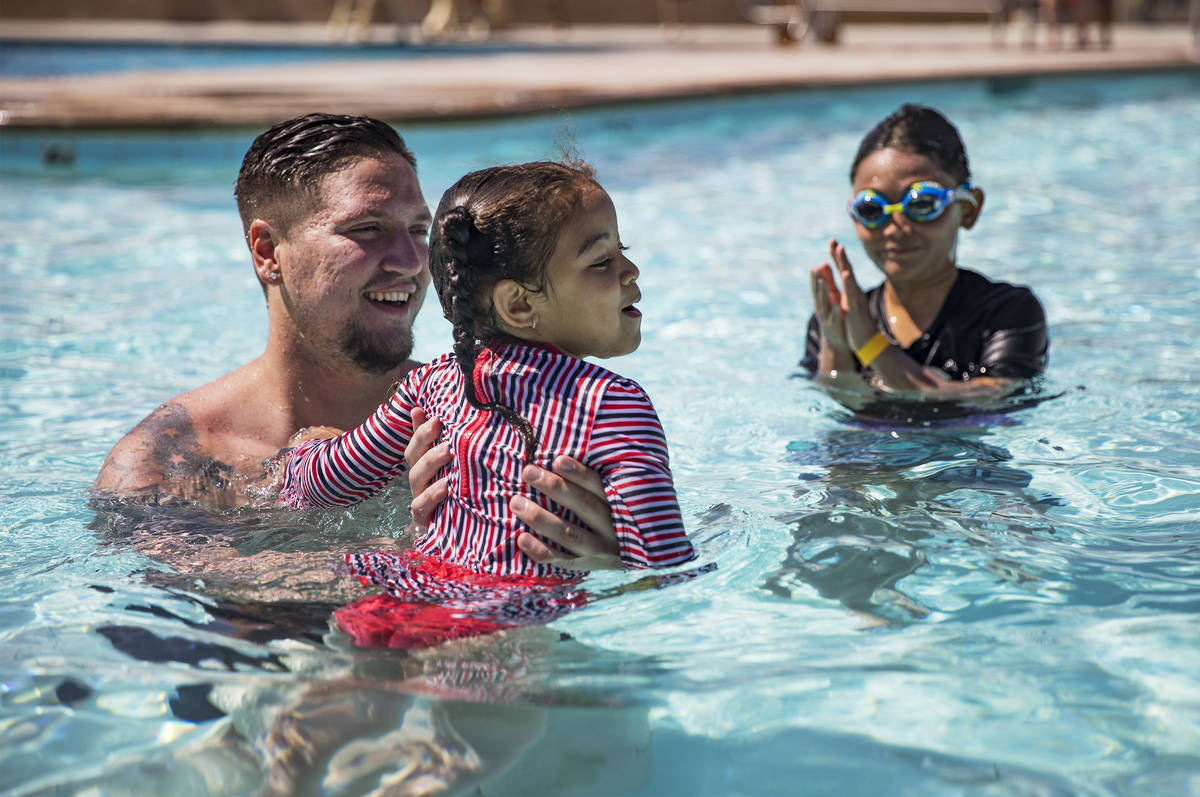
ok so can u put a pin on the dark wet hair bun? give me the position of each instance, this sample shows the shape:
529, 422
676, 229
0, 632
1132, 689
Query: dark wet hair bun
922, 131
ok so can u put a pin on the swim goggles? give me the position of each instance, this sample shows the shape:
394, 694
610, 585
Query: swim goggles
924, 201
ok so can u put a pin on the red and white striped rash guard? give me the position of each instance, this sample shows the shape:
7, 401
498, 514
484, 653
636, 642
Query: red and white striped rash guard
575, 407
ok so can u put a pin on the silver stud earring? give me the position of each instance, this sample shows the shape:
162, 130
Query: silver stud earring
534, 324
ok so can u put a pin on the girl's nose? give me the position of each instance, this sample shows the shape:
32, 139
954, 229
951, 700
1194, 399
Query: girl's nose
898, 222
630, 273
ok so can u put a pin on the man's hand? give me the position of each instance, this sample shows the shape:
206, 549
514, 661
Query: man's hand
590, 547
313, 433
424, 460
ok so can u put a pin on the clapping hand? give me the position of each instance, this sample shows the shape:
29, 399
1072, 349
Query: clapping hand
843, 314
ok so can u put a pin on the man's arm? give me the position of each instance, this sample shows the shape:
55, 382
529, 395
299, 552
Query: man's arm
162, 456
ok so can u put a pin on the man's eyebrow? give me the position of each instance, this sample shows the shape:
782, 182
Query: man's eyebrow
590, 242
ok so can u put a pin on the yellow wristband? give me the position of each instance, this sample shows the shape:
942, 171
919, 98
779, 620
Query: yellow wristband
872, 349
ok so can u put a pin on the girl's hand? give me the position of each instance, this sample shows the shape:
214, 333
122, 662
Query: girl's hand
312, 433
860, 327
424, 460
590, 547
827, 303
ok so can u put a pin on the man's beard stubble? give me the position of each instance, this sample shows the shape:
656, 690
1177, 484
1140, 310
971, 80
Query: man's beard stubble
376, 354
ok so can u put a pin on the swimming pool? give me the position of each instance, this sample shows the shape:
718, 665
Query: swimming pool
1002, 604
47, 59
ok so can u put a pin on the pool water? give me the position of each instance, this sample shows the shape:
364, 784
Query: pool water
48, 59
998, 603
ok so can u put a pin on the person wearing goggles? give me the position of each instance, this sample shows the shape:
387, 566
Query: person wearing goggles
931, 329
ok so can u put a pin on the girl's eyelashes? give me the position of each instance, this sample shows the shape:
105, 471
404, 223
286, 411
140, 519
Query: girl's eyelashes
608, 260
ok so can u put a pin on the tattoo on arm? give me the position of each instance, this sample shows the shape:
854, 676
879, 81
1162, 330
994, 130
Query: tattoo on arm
176, 450
163, 457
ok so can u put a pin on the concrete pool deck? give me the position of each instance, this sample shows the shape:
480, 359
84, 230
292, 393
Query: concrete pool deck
533, 69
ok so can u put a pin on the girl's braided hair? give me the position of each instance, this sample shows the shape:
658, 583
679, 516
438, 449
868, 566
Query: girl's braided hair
500, 223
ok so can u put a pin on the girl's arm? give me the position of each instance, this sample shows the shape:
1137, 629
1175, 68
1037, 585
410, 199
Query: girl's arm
895, 371
629, 450
353, 466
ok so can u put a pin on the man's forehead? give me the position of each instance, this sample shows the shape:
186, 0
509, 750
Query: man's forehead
374, 184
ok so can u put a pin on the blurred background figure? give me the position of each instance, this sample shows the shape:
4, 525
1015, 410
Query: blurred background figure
559, 16
1028, 12
1082, 13
1194, 20
1102, 13
674, 16
1052, 13
479, 16
350, 20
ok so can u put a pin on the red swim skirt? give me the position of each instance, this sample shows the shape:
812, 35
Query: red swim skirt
430, 601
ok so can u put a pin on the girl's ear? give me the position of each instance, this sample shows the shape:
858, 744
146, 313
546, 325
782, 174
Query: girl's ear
970, 213
263, 245
510, 299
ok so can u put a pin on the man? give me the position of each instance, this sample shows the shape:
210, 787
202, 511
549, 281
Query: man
338, 230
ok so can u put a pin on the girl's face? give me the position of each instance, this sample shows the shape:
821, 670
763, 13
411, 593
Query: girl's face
587, 306
908, 251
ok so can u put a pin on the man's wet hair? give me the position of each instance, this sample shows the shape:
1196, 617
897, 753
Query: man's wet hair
282, 170
922, 131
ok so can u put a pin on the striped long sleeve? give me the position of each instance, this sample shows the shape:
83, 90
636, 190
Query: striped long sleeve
629, 450
353, 467
576, 408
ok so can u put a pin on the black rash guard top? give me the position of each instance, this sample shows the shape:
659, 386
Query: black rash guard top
984, 328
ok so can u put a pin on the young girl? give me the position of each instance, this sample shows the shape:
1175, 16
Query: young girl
529, 268
932, 328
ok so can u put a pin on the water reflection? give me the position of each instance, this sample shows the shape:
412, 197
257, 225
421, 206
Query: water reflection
880, 498
234, 637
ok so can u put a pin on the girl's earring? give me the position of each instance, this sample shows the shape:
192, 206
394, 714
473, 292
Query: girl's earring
533, 324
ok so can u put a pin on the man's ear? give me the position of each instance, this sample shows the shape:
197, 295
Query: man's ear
970, 213
264, 243
511, 301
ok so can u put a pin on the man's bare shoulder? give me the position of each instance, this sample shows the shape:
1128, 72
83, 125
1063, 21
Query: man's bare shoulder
157, 454
171, 451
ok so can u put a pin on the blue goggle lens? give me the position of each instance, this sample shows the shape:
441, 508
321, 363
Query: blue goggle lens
923, 202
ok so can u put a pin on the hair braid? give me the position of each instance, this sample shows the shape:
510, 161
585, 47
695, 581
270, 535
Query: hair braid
456, 229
